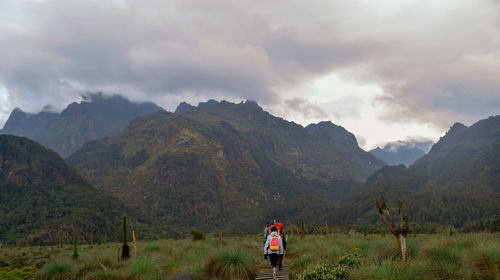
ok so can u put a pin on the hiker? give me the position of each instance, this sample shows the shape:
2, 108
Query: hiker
281, 233
273, 248
269, 224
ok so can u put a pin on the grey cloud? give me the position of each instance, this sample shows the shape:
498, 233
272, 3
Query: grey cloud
436, 63
305, 108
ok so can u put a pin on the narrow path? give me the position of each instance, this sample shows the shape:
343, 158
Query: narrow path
268, 275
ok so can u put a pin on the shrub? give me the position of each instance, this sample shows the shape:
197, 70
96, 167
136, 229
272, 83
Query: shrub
325, 272
232, 264
198, 235
350, 261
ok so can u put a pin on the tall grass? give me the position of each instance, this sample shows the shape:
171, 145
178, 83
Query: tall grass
232, 264
435, 256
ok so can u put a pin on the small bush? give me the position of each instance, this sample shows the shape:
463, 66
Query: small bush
350, 261
232, 264
325, 272
197, 235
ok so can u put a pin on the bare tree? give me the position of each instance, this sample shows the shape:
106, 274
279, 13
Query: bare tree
399, 231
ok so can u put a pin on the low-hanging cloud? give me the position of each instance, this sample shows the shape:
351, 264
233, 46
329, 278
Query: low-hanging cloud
436, 62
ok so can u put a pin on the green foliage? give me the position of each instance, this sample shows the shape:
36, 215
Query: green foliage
437, 256
350, 261
44, 199
433, 257
325, 272
216, 168
197, 235
456, 183
232, 264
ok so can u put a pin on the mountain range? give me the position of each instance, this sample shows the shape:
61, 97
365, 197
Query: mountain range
456, 183
225, 166
402, 152
96, 117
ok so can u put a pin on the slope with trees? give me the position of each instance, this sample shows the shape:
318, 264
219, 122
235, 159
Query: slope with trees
225, 166
43, 199
456, 183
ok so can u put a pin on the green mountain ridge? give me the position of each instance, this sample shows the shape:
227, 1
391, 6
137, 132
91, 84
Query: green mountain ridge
42, 198
456, 183
227, 166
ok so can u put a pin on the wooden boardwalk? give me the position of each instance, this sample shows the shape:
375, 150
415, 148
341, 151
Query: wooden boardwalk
268, 274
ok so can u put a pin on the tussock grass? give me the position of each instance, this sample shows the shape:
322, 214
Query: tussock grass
232, 264
56, 271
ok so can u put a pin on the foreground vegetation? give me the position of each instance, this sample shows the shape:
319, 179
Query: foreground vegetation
436, 256
338, 256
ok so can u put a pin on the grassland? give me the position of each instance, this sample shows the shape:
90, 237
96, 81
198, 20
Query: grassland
352, 256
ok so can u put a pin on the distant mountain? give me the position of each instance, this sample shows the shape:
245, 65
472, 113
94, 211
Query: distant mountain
402, 152
96, 117
42, 198
226, 166
456, 183
184, 107
29, 125
345, 143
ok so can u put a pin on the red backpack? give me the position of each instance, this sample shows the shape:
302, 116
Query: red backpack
279, 226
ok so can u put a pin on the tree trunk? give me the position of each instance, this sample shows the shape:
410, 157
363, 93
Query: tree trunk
403, 252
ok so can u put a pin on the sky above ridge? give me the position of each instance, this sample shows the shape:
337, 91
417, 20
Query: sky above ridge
385, 70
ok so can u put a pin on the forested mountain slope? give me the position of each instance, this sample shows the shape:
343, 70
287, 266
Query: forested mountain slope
227, 166
456, 183
42, 198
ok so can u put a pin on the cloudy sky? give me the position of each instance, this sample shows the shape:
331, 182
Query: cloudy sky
385, 70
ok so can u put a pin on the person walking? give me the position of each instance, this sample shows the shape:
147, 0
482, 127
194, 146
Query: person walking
273, 248
281, 233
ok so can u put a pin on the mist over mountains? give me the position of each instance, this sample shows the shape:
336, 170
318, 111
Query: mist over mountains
402, 152
96, 117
